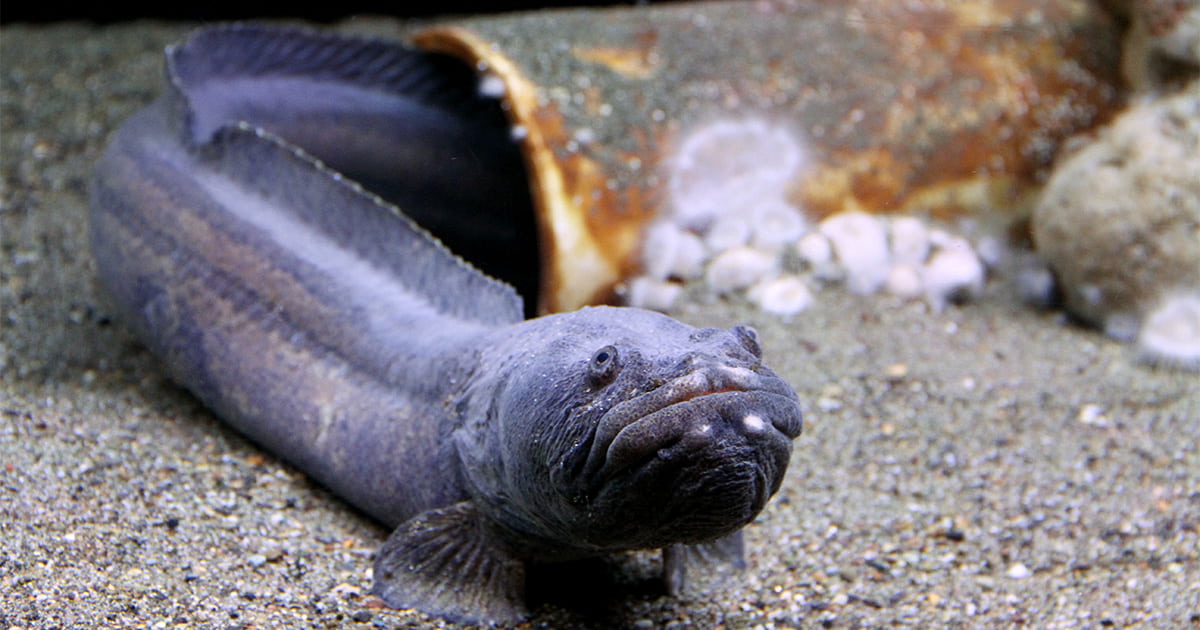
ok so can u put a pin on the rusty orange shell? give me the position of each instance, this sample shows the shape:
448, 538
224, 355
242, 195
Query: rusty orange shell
945, 109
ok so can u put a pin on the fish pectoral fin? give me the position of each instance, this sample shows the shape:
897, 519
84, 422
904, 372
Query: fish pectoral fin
692, 567
445, 562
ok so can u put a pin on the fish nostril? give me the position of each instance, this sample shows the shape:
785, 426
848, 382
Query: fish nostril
748, 338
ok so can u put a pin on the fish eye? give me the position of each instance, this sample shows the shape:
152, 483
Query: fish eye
749, 339
604, 365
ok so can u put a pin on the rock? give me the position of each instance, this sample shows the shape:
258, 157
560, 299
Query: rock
653, 294
739, 268
952, 275
860, 241
785, 296
671, 252
910, 240
1170, 335
1119, 221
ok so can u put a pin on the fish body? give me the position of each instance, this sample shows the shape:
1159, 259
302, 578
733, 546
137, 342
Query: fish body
326, 325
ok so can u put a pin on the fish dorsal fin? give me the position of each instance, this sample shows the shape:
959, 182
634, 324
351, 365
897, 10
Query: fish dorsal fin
228, 52
360, 222
302, 185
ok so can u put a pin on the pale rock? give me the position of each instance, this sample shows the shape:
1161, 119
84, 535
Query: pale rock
1119, 221
1171, 333
739, 268
651, 293
727, 232
860, 242
952, 275
776, 224
670, 252
904, 280
814, 249
910, 240
785, 295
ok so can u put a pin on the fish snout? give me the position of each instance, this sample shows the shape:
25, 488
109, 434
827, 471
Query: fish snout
709, 430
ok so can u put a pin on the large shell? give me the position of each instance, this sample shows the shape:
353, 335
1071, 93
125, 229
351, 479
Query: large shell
947, 108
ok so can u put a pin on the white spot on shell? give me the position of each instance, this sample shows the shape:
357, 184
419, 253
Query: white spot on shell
738, 268
1171, 334
729, 165
860, 242
491, 86
584, 135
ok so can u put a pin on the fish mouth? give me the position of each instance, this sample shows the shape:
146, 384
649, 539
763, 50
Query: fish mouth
711, 408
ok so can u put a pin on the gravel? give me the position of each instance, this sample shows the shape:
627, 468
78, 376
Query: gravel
986, 466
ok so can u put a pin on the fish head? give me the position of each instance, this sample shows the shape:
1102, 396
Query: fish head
620, 428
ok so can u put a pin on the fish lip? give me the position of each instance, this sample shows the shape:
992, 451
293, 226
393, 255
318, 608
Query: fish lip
716, 385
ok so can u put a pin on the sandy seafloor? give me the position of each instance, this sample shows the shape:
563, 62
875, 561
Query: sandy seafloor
987, 466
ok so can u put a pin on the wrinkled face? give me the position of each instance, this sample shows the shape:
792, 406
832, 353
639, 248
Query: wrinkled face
626, 429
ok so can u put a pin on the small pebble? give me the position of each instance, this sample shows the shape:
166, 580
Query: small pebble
1018, 571
1091, 414
896, 370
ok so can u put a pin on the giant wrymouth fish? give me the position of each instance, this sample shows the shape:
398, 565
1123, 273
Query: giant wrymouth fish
233, 233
